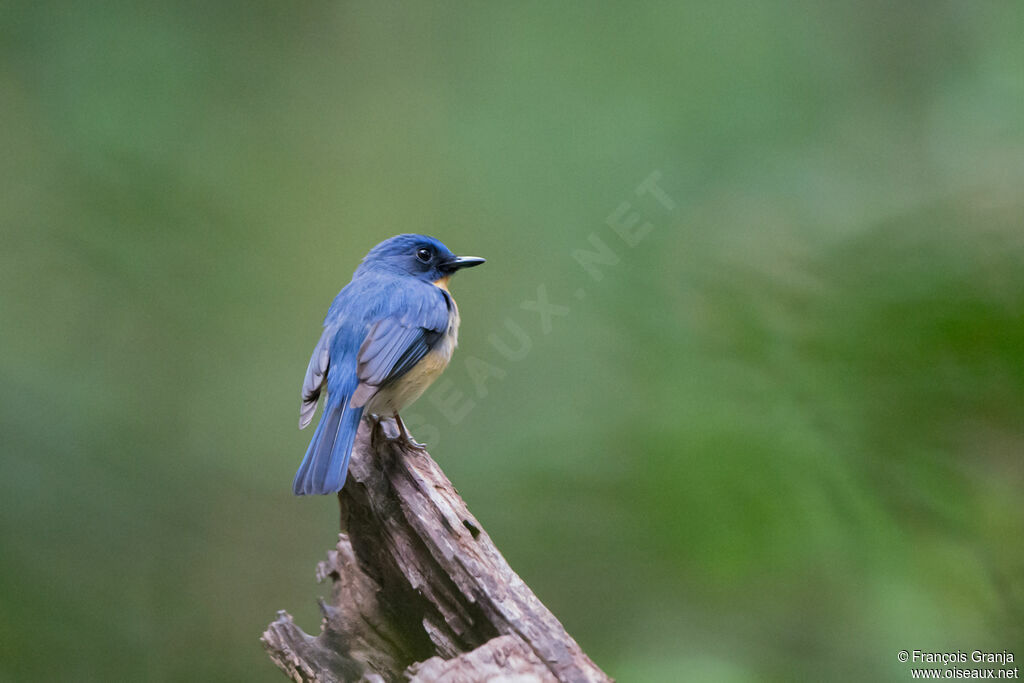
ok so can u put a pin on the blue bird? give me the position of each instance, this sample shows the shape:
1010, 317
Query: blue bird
387, 336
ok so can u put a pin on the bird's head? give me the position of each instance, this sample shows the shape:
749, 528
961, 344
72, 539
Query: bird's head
419, 256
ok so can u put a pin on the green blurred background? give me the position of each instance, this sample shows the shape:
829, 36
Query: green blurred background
780, 440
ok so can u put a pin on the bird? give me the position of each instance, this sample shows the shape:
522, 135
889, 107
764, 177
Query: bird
387, 336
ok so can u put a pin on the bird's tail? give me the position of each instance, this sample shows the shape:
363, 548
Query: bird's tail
324, 468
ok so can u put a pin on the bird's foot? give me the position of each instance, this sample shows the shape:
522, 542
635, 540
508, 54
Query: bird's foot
377, 435
405, 439
411, 444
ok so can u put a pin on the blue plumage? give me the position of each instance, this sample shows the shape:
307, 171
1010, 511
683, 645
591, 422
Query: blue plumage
386, 336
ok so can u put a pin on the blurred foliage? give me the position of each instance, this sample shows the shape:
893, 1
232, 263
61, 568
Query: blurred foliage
780, 439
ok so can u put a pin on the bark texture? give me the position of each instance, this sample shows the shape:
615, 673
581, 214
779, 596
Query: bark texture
420, 592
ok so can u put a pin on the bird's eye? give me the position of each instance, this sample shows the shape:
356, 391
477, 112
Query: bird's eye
424, 255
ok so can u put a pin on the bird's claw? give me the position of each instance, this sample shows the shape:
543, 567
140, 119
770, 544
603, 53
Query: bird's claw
411, 444
405, 439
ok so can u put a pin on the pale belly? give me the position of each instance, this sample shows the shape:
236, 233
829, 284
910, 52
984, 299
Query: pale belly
410, 386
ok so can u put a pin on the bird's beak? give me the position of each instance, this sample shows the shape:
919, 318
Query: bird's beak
462, 262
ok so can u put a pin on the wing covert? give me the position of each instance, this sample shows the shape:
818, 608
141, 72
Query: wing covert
397, 342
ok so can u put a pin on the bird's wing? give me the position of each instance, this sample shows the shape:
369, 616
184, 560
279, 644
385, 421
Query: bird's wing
312, 385
396, 342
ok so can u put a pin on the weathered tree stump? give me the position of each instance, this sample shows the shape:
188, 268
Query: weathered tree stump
420, 592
